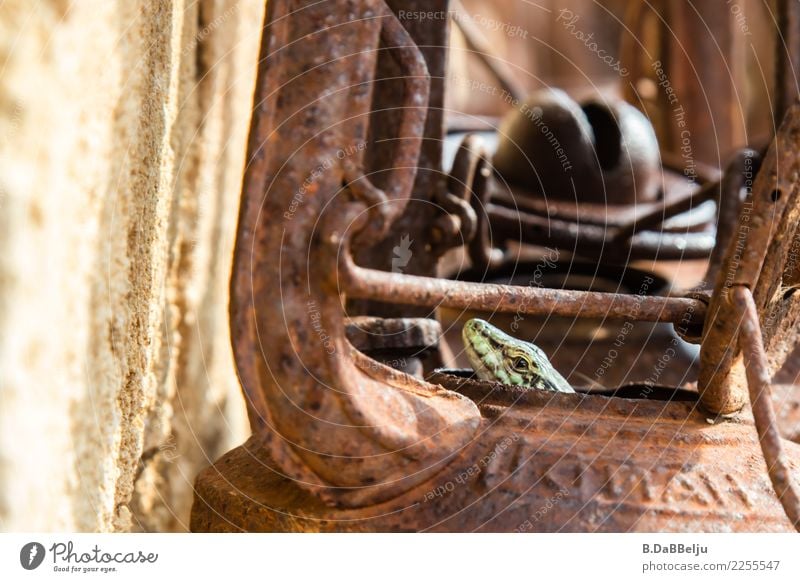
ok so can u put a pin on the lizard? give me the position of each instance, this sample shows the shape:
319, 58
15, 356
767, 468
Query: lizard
499, 357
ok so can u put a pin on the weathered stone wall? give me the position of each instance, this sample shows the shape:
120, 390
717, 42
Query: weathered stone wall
122, 141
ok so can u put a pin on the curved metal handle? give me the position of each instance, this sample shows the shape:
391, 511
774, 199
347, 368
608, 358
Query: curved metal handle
403, 167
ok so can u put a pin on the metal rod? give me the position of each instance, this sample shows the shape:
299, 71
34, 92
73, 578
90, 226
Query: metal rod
705, 172
363, 283
666, 210
483, 49
593, 240
758, 382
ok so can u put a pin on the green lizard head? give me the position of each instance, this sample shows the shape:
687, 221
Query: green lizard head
497, 356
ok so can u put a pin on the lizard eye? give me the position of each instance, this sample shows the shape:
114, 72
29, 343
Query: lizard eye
521, 364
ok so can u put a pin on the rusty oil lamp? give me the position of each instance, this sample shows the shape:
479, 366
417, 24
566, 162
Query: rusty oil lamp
343, 442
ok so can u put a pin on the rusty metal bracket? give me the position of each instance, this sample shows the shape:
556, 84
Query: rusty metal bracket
342, 425
759, 256
458, 226
470, 178
402, 170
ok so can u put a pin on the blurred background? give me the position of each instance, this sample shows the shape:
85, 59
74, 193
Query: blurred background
123, 127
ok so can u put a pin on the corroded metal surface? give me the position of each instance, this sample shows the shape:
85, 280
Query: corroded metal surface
539, 462
597, 151
412, 290
758, 382
614, 233
348, 429
341, 441
757, 256
568, 173
410, 345
377, 333
416, 223
591, 241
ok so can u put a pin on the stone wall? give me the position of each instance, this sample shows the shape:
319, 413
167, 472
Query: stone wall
122, 141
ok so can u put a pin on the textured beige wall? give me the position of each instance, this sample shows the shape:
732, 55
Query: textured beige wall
122, 137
